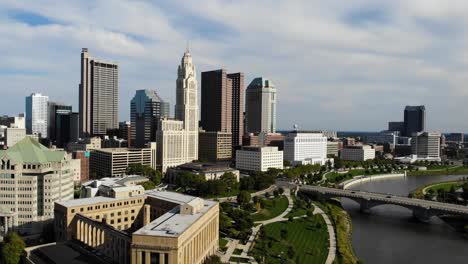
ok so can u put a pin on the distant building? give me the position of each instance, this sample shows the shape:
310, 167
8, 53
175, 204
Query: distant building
333, 148
130, 228
390, 137
37, 177
415, 119
426, 145
261, 106
358, 153
66, 129
98, 95
215, 146
55, 110
402, 150
18, 121
177, 140
37, 115
85, 144
264, 139
259, 158
75, 168
83, 156
146, 109
13, 136
114, 142
305, 148
455, 137
349, 141
222, 103
112, 162
211, 171
397, 127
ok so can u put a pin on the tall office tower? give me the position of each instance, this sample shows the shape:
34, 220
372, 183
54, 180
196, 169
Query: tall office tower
223, 103
177, 140
260, 106
55, 110
66, 129
415, 119
237, 107
37, 114
146, 109
186, 108
426, 145
98, 96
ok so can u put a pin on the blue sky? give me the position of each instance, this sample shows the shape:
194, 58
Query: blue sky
338, 65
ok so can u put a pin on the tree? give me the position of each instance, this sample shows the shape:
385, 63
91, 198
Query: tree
284, 234
281, 190
12, 249
243, 198
290, 218
291, 252
276, 193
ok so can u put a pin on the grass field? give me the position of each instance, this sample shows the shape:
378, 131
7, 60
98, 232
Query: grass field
453, 170
273, 208
222, 242
297, 210
446, 186
333, 177
308, 238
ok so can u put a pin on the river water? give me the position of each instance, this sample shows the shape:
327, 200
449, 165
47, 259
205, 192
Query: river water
389, 234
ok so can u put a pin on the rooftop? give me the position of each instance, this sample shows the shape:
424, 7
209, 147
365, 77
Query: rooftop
204, 167
29, 150
172, 223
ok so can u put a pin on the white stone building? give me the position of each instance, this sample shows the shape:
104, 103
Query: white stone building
426, 145
358, 153
178, 139
259, 158
32, 179
305, 148
13, 136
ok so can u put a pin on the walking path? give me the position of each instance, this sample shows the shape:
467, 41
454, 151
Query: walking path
234, 198
233, 244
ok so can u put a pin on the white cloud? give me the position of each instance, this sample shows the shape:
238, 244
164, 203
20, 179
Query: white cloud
351, 74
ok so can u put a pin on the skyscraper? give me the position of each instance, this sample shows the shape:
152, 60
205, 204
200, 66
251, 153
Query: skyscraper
98, 95
37, 114
414, 119
177, 140
146, 108
222, 103
186, 108
261, 106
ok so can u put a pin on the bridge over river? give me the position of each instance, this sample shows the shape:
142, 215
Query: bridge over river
422, 209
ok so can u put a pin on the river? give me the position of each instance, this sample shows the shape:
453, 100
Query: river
389, 234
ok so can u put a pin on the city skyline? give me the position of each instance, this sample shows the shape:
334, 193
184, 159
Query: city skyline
389, 59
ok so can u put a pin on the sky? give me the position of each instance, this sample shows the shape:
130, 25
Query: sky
337, 65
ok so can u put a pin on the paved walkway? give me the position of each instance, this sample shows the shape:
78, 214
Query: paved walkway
233, 244
234, 198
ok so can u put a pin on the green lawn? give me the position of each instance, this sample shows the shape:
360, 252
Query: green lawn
237, 251
448, 171
239, 260
222, 242
446, 186
334, 176
273, 208
297, 210
308, 238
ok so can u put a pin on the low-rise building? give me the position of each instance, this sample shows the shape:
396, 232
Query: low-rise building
259, 158
154, 227
210, 171
264, 139
112, 162
75, 168
113, 187
358, 153
333, 148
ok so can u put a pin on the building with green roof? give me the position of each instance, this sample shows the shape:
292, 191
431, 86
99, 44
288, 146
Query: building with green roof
32, 179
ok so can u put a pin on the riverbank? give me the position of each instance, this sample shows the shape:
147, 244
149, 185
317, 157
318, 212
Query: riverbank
421, 191
343, 231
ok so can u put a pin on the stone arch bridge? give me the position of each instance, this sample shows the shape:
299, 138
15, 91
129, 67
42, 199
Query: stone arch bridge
422, 209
